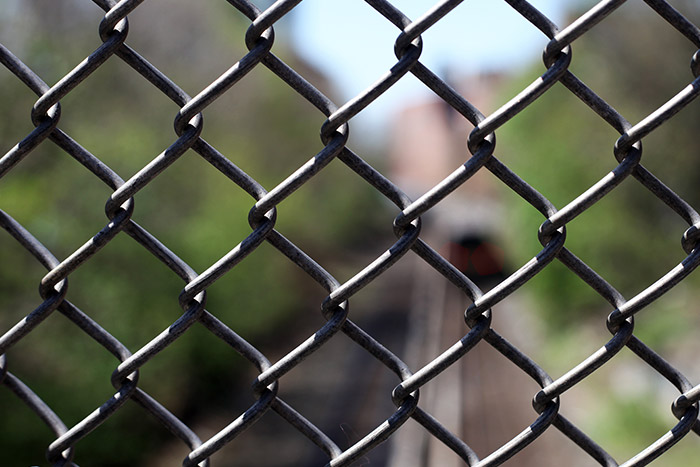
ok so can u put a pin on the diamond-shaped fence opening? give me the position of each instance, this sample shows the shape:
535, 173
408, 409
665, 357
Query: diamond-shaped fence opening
227, 277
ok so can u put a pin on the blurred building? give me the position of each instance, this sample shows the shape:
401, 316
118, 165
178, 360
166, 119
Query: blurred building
483, 398
428, 142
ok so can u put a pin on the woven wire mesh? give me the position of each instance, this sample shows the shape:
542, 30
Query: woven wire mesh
54, 291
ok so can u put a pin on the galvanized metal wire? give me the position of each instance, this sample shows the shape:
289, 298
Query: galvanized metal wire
259, 39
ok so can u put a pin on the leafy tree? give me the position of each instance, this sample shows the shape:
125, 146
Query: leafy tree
636, 62
261, 125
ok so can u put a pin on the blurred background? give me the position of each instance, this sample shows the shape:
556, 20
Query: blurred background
633, 59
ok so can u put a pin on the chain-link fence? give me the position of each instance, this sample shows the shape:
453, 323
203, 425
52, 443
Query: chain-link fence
273, 371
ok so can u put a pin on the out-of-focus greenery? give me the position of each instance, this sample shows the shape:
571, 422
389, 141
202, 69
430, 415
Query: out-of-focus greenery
636, 62
261, 125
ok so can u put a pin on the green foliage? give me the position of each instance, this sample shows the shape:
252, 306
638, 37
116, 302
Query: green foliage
620, 417
262, 126
636, 62
561, 147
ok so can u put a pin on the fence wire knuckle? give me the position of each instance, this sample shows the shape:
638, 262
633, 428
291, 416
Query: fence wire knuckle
412, 240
